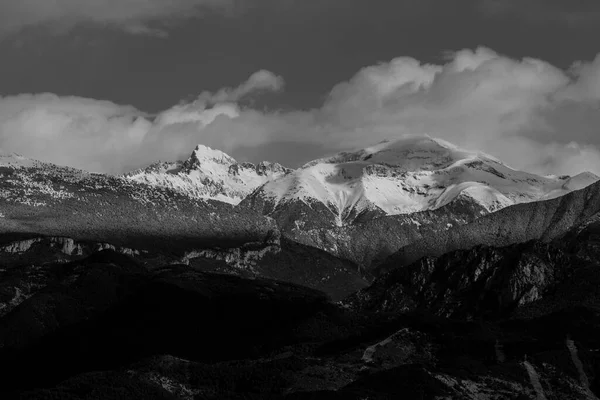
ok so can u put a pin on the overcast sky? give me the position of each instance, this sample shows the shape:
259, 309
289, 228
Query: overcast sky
112, 85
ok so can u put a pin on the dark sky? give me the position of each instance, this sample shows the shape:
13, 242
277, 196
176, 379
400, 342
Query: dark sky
313, 44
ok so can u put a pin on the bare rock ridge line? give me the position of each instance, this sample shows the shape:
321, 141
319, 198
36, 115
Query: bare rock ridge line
245, 256
241, 257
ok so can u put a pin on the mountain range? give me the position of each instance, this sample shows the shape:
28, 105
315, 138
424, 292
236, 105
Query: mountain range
412, 174
409, 269
410, 186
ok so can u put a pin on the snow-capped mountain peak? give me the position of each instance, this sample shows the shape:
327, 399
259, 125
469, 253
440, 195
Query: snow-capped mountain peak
209, 174
203, 155
411, 174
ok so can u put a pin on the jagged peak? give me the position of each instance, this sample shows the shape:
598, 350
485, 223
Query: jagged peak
203, 154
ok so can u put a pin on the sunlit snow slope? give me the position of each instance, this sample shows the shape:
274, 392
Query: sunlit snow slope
415, 173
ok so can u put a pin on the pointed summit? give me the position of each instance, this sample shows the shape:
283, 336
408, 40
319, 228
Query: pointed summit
203, 154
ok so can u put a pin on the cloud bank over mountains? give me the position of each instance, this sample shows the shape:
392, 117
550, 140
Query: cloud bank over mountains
526, 112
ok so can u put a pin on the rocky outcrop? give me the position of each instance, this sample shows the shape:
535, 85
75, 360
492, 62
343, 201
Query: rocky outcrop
481, 282
65, 245
269, 257
247, 256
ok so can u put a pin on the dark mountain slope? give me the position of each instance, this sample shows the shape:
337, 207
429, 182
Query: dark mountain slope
481, 282
108, 329
369, 240
558, 271
296, 263
543, 220
101, 314
26, 265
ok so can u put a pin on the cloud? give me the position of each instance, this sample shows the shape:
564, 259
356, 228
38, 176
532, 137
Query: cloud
527, 112
134, 16
259, 81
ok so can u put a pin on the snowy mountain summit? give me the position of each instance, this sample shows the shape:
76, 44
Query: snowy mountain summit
209, 174
414, 173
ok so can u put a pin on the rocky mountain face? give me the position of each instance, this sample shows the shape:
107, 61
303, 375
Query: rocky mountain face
483, 282
537, 302
371, 241
209, 174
